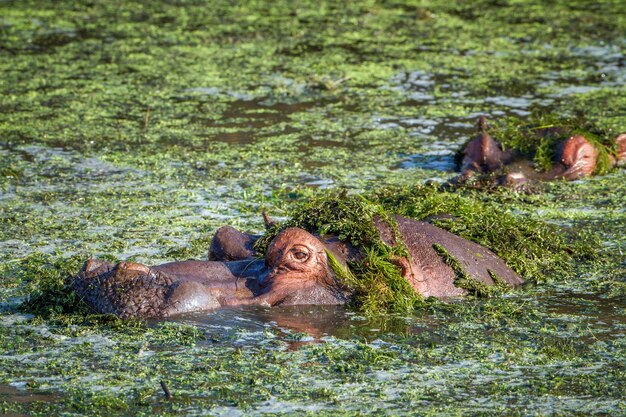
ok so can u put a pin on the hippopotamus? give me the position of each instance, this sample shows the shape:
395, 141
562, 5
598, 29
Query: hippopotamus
575, 157
294, 271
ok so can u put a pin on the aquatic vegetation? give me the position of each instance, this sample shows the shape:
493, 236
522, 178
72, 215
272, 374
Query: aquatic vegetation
533, 248
134, 129
464, 281
48, 281
536, 250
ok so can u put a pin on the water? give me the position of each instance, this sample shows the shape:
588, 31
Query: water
134, 130
300, 323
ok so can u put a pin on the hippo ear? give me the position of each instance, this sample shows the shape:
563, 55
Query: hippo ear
269, 222
482, 124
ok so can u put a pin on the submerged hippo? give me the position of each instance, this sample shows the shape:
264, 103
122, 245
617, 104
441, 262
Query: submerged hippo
295, 271
575, 157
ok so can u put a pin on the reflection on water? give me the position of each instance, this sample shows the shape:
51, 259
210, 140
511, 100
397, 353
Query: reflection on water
13, 395
304, 323
297, 325
605, 317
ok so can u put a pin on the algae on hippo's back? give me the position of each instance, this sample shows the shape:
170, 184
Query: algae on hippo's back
349, 217
538, 251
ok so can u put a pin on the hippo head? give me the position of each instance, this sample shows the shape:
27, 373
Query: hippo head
299, 271
295, 256
578, 156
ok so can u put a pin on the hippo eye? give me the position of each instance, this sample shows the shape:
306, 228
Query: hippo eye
300, 254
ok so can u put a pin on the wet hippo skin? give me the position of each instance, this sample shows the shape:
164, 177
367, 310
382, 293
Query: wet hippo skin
295, 271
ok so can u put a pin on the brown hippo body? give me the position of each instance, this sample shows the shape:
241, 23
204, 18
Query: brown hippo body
427, 271
135, 290
295, 272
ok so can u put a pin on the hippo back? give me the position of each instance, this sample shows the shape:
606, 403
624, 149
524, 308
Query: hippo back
429, 273
122, 290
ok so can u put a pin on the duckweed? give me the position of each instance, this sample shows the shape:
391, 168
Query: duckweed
132, 130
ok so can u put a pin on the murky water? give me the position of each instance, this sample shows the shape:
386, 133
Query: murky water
18, 393
133, 131
302, 323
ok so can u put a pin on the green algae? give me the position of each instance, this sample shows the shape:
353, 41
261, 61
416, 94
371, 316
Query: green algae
350, 218
49, 285
463, 280
534, 249
115, 82
376, 285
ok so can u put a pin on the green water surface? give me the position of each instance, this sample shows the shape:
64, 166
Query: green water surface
132, 130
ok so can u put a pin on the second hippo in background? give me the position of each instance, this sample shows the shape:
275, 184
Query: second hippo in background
575, 157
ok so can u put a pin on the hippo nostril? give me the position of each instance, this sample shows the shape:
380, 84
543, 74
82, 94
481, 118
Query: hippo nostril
279, 269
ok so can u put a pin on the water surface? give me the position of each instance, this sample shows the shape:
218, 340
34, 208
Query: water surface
134, 130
